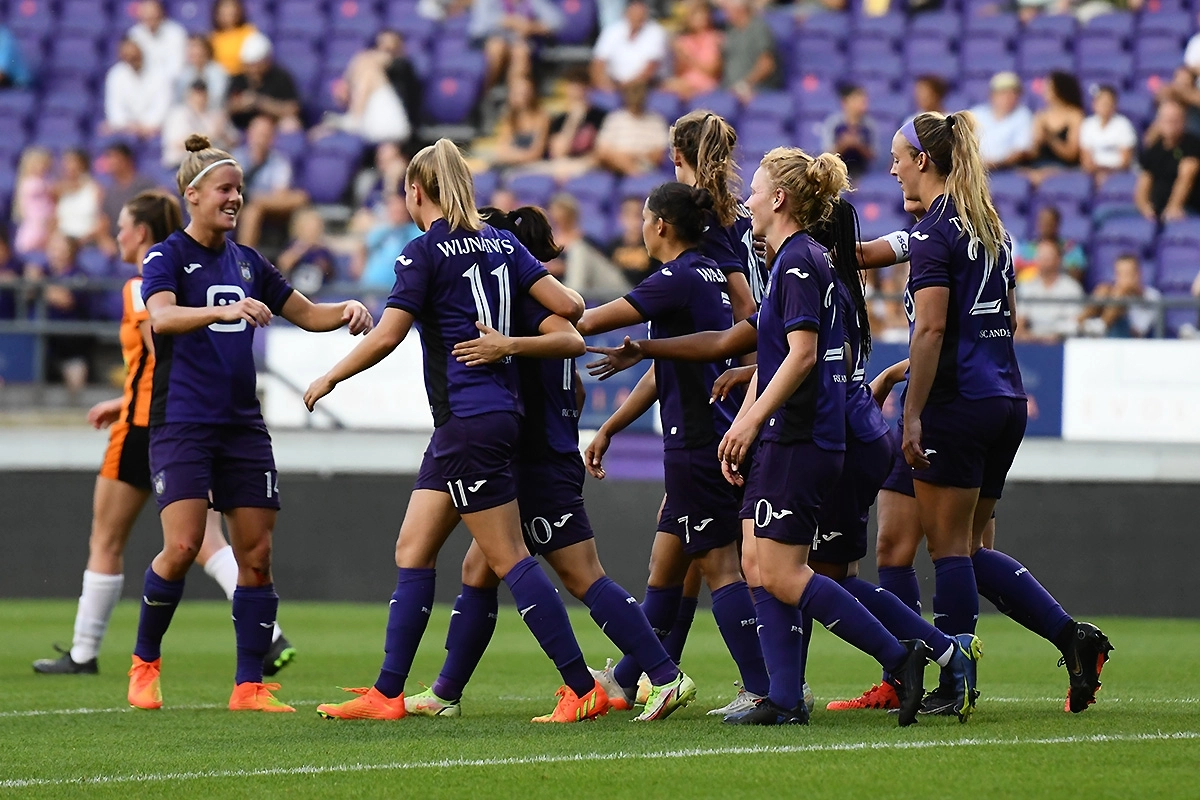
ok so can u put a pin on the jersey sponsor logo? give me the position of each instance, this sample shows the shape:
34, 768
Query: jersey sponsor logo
190, 268
222, 294
711, 275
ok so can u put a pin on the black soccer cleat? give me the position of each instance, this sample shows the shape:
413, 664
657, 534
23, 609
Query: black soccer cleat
65, 665
1084, 658
767, 712
910, 680
279, 656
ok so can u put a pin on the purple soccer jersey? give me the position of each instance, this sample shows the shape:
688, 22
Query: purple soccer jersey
687, 295
977, 359
864, 420
801, 296
732, 247
208, 376
449, 280
551, 423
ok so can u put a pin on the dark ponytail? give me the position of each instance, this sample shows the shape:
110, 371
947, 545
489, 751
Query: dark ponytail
840, 236
531, 227
685, 208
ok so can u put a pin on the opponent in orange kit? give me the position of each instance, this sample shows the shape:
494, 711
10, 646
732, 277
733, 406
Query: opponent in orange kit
124, 480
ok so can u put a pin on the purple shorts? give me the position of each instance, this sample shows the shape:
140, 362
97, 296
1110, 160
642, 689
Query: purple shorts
472, 459
550, 494
900, 479
841, 536
233, 463
701, 506
972, 443
786, 488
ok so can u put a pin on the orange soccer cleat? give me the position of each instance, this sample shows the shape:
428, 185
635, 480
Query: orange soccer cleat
573, 708
370, 704
250, 696
882, 697
144, 691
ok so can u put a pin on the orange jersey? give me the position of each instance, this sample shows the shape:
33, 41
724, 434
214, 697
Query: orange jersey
139, 362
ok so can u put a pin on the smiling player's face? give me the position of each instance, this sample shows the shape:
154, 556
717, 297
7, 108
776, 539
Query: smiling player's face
905, 167
759, 202
218, 199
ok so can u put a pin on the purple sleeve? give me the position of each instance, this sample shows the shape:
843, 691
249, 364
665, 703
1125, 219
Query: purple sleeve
720, 246
160, 272
273, 287
658, 294
412, 280
528, 270
800, 296
929, 260
530, 315
753, 320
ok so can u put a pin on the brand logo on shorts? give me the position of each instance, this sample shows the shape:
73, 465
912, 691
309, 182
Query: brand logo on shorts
563, 521
160, 483
765, 513
703, 524
244, 266
477, 486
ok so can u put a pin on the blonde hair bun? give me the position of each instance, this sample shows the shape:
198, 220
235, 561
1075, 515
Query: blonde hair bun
196, 142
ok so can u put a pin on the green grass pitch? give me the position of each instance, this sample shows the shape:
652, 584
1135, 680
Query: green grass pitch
73, 736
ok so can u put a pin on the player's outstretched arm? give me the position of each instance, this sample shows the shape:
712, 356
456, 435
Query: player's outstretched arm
558, 339
885, 381
393, 326
739, 340
323, 317
637, 403
557, 298
614, 314
167, 318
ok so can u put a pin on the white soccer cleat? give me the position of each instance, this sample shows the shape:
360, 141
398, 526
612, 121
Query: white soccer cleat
744, 701
618, 698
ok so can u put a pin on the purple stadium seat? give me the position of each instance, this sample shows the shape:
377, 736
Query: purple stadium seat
868, 44
18, 103
73, 98
993, 26
1103, 255
1117, 24
94, 262
485, 186
720, 102
1010, 187
896, 105
1102, 75
1185, 233
777, 106
532, 189
640, 186
58, 131
782, 22
811, 50
927, 62
1073, 227
665, 104
1133, 233
411, 25
984, 64
31, 18
945, 24
1094, 48
355, 16
1061, 26
892, 26
835, 26
815, 95
1165, 23
195, 15
761, 130
448, 50
327, 176
878, 65
340, 50
609, 101
300, 19
832, 67
300, 58
596, 187
13, 137
579, 21
883, 88
1180, 316
1017, 226
875, 221
1177, 267
86, 17
877, 188
343, 144
752, 146
1037, 64
74, 56
1158, 54
1117, 187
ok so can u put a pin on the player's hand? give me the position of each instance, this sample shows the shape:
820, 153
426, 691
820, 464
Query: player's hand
762, 249
914, 454
732, 474
730, 379
316, 390
253, 311
357, 318
616, 359
104, 414
737, 442
593, 457
490, 347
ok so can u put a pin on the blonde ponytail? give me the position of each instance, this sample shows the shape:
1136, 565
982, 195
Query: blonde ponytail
812, 185
441, 172
705, 141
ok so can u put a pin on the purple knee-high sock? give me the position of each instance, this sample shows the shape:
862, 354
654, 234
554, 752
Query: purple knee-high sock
661, 607
806, 637
472, 623
846, 618
160, 598
902, 582
543, 612
734, 611
254, 609
677, 638
408, 614
1014, 587
780, 632
955, 600
900, 620
621, 619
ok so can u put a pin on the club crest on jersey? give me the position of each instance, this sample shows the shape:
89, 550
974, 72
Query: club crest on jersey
160, 483
244, 266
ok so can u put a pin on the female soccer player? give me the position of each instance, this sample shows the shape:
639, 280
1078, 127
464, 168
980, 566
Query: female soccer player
459, 278
550, 497
205, 295
123, 484
964, 406
699, 519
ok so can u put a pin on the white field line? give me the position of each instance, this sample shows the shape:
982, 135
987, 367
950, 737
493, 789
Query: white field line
576, 758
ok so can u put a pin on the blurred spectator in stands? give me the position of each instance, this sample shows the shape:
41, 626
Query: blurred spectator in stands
632, 140
125, 183
77, 211
628, 252
524, 128
267, 175
10, 273
374, 110
1056, 127
504, 200
33, 206
136, 98
1135, 319
1005, 124
581, 266
748, 52
69, 354
1185, 87
630, 50
573, 132
1056, 316
14, 70
1071, 255
850, 132
194, 115
375, 263
400, 71
199, 66
509, 32
697, 54
373, 185
1106, 139
264, 87
163, 41
1167, 188
307, 262
440, 9
929, 94
804, 8
230, 29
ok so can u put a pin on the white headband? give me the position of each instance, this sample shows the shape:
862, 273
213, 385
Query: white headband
205, 171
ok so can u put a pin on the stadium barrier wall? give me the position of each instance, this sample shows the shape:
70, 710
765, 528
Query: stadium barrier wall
1100, 547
